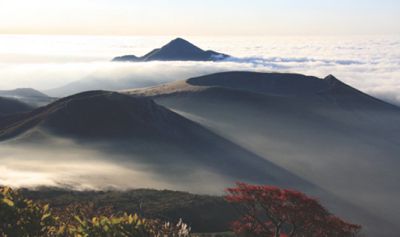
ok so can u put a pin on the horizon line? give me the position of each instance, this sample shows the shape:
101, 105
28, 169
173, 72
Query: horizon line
199, 35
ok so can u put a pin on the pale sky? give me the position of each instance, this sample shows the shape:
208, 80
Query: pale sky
200, 17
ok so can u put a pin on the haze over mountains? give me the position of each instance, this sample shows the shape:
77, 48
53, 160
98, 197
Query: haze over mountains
285, 129
322, 130
317, 135
176, 50
28, 96
138, 131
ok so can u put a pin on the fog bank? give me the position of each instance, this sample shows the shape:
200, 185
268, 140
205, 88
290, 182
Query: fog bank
65, 164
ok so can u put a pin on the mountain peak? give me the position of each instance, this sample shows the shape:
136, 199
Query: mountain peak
330, 77
181, 46
178, 49
179, 41
333, 82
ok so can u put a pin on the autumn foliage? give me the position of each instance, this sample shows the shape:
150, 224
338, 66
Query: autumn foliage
272, 211
266, 211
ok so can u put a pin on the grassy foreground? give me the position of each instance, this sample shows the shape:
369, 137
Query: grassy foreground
204, 213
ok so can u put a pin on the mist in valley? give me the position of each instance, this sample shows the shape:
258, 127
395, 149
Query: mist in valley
352, 153
63, 163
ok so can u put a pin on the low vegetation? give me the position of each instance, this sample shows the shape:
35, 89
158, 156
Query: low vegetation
262, 211
20, 217
204, 213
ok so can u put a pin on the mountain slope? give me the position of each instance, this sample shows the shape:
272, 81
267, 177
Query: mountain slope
138, 132
10, 106
27, 95
322, 130
176, 50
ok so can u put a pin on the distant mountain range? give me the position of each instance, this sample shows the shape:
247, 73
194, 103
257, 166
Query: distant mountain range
176, 50
317, 135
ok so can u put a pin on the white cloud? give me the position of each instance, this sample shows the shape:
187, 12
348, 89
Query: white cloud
371, 64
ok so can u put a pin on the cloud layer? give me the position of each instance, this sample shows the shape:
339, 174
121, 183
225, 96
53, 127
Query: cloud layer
371, 64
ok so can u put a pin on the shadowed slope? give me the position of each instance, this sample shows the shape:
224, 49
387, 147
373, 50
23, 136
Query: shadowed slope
138, 130
287, 84
323, 130
10, 106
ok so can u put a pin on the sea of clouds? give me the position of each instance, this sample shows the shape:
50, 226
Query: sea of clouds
61, 65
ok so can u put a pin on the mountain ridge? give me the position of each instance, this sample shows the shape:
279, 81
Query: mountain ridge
141, 131
271, 83
319, 129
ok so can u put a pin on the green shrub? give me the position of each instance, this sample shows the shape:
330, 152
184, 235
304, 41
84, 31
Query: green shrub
126, 225
20, 217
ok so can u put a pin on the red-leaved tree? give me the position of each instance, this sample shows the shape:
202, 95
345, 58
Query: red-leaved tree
272, 211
